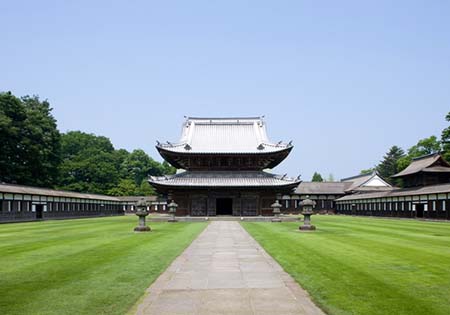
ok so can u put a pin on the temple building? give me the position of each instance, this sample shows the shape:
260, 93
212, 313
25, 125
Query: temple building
426, 193
26, 203
325, 193
424, 171
222, 163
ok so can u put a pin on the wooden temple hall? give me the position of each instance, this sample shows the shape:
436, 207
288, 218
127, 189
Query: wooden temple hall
221, 163
25, 203
426, 193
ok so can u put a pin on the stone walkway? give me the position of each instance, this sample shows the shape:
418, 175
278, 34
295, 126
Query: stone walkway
224, 271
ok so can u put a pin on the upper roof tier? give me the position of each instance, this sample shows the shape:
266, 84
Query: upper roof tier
431, 163
226, 137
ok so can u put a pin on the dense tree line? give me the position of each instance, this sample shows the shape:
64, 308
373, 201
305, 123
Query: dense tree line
396, 159
34, 152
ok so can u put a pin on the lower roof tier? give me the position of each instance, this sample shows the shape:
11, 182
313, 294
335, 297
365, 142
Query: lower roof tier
224, 179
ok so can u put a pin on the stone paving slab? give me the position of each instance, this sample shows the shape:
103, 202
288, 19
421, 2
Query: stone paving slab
225, 271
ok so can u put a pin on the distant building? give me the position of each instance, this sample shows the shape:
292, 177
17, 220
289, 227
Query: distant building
155, 204
325, 193
426, 193
427, 170
25, 203
223, 161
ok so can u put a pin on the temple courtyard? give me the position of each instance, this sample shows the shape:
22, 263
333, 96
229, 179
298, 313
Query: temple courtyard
349, 265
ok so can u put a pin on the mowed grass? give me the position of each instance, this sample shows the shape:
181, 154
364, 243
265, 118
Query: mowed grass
88, 266
365, 266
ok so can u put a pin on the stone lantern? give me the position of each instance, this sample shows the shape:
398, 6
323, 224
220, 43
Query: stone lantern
141, 212
307, 212
172, 210
276, 206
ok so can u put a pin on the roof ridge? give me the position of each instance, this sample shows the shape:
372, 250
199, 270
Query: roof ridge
56, 190
336, 182
47, 188
224, 118
426, 156
360, 175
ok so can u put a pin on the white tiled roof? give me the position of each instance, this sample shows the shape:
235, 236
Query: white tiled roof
224, 135
224, 179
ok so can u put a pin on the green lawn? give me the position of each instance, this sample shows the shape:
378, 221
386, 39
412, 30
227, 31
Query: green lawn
365, 266
88, 266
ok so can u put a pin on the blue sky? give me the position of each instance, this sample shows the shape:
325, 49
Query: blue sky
344, 80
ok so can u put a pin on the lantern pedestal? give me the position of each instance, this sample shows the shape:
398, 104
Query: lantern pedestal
276, 206
142, 227
307, 212
172, 210
307, 226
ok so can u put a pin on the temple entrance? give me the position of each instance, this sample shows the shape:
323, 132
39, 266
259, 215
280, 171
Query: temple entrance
224, 206
419, 210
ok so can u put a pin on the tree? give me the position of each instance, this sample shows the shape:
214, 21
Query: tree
145, 189
424, 147
168, 169
76, 143
30, 152
125, 187
90, 163
138, 166
403, 163
317, 177
330, 178
367, 171
445, 140
12, 122
389, 165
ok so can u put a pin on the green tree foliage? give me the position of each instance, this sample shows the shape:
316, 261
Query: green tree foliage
330, 178
89, 163
424, 147
317, 177
30, 151
125, 187
12, 121
445, 140
367, 171
138, 165
145, 189
168, 169
389, 165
